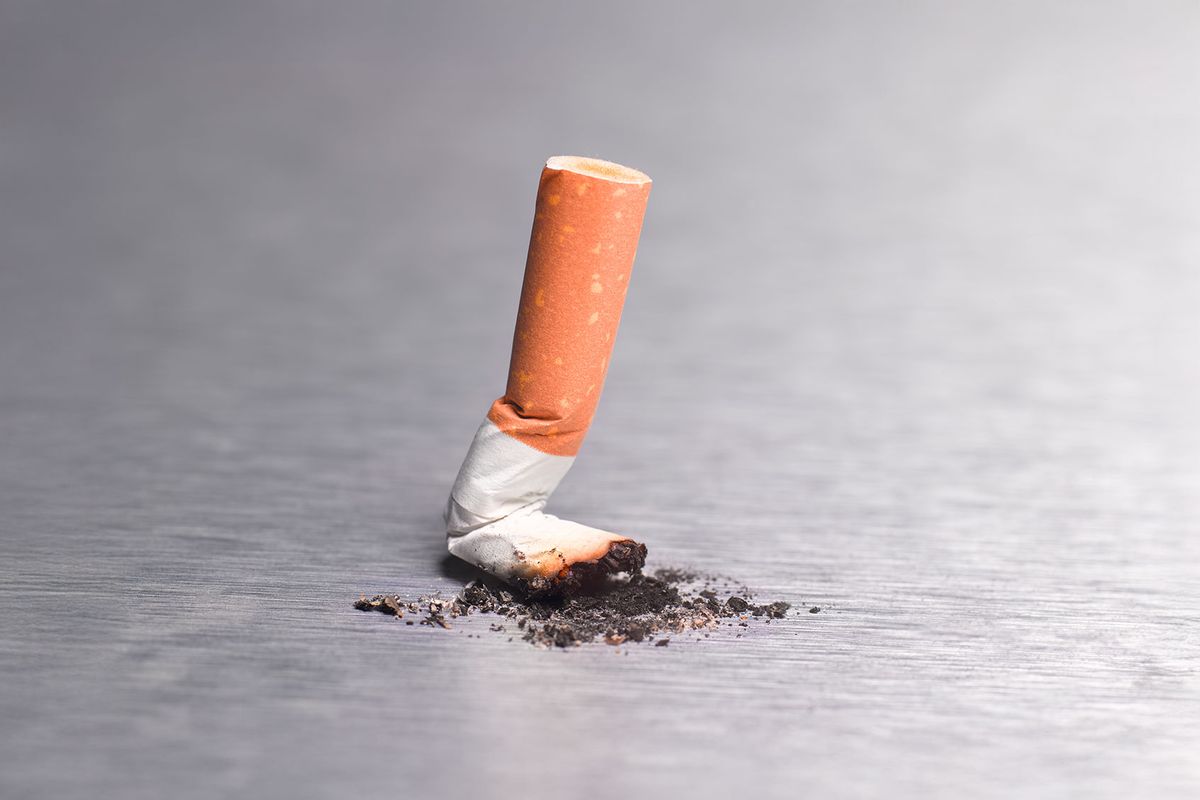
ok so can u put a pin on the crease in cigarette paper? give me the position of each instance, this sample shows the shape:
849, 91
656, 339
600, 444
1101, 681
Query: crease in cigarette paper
494, 516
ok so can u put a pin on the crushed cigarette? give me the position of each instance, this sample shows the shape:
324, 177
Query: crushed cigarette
586, 226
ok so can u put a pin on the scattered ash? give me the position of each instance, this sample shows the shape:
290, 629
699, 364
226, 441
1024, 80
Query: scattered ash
633, 608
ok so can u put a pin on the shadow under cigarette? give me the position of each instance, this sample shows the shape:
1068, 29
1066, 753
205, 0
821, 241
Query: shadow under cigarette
456, 569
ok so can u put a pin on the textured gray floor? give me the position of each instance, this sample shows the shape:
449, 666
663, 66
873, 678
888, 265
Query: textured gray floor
913, 336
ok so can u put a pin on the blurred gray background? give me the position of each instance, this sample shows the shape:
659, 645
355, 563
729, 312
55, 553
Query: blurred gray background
913, 336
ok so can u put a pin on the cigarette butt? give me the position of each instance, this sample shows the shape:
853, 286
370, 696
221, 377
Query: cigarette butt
587, 222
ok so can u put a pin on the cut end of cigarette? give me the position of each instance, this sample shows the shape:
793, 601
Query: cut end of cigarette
597, 168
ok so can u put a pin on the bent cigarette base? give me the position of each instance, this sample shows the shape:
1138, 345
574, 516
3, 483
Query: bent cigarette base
494, 520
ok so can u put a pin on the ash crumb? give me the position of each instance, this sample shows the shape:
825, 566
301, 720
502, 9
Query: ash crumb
385, 603
616, 611
673, 575
435, 618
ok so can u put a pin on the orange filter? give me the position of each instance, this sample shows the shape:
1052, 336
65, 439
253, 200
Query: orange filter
585, 235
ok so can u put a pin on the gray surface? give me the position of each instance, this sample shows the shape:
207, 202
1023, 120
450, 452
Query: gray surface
913, 336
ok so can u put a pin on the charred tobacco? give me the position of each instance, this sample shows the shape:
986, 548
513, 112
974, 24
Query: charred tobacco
613, 610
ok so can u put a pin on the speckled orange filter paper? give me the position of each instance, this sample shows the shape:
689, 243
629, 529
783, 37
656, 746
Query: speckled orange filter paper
585, 235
